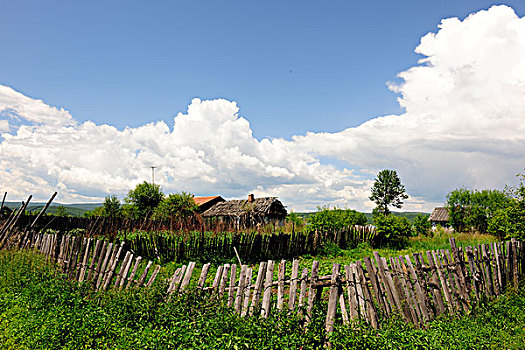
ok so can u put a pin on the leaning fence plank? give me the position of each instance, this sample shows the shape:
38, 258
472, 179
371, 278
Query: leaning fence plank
100, 261
293, 284
111, 270
85, 260
280, 284
224, 280
419, 290
153, 276
375, 285
131, 277
438, 297
515, 279
233, 276
312, 292
267, 294
411, 292
258, 287
488, 270
144, 274
352, 293
302, 293
332, 299
94, 259
403, 290
419, 267
381, 274
104, 265
473, 272
370, 310
124, 271
187, 276
203, 275
247, 288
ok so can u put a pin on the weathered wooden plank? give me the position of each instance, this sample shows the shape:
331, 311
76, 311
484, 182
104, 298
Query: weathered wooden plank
131, 278
312, 292
410, 290
123, 274
488, 271
332, 299
419, 290
370, 310
438, 297
224, 280
107, 256
85, 260
515, 279
293, 285
473, 272
153, 276
444, 285
100, 261
144, 274
372, 273
359, 292
460, 279
187, 276
352, 293
247, 289
302, 293
233, 276
403, 290
258, 287
267, 294
94, 259
240, 289
280, 286
111, 269
203, 275
382, 275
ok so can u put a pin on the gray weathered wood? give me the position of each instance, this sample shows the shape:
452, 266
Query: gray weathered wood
370, 309
312, 292
131, 278
247, 289
293, 284
233, 276
302, 293
436, 290
267, 293
187, 276
142, 278
153, 276
280, 286
419, 290
353, 304
332, 299
202, 278
258, 287
240, 289
224, 280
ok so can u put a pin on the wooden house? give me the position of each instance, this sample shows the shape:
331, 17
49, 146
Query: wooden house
245, 213
439, 216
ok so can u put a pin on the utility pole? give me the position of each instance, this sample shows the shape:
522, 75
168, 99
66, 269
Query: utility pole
153, 175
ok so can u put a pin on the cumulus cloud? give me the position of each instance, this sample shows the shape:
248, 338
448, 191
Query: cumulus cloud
463, 126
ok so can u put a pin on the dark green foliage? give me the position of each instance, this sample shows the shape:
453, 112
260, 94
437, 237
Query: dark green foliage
391, 230
61, 211
176, 206
111, 207
142, 201
421, 225
509, 221
335, 219
388, 191
472, 209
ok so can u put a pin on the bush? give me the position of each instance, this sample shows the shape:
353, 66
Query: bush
335, 219
422, 227
391, 230
176, 206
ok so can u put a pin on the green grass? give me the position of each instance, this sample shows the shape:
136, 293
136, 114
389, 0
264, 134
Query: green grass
41, 310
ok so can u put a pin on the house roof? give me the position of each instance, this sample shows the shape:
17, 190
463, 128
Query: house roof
202, 200
439, 214
239, 207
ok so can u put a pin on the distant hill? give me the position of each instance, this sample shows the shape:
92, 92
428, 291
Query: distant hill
410, 215
75, 209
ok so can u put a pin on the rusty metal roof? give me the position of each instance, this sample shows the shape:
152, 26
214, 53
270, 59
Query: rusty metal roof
439, 214
201, 200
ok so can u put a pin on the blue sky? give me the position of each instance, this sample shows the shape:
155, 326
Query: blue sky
292, 66
286, 98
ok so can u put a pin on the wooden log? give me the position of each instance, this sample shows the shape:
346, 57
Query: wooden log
267, 294
293, 285
312, 292
280, 286
42, 211
332, 299
258, 287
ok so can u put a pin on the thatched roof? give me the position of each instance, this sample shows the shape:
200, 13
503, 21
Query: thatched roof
439, 214
267, 206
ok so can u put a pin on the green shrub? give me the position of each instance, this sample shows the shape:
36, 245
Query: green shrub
421, 226
391, 230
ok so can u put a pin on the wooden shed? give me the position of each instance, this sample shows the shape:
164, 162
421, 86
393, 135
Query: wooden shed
251, 212
439, 216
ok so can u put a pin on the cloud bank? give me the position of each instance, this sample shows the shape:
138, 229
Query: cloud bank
464, 125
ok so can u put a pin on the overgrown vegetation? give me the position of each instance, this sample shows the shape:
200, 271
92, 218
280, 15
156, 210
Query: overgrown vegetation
41, 310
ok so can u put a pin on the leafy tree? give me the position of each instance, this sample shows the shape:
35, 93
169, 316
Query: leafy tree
93, 213
176, 206
143, 200
509, 222
111, 207
388, 191
295, 220
61, 211
391, 230
421, 225
473, 209
327, 219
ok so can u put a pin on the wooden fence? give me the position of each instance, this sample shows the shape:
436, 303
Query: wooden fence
418, 288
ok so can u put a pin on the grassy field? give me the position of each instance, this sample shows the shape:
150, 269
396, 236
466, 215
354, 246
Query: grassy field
41, 310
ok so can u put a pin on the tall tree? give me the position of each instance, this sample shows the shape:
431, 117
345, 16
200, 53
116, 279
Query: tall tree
143, 200
111, 206
388, 191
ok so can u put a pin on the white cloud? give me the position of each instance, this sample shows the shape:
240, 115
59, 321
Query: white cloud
464, 125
